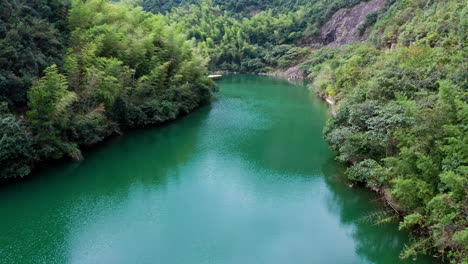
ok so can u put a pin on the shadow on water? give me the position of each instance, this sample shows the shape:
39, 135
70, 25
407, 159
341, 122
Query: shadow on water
277, 140
375, 243
284, 146
39, 213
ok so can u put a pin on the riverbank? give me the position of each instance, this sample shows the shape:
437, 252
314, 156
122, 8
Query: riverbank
293, 73
110, 133
206, 188
394, 209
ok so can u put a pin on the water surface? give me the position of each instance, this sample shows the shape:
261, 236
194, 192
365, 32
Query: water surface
248, 179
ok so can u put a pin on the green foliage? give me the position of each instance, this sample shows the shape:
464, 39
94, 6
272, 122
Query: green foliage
120, 112
15, 146
29, 41
401, 121
411, 220
123, 68
49, 114
316, 12
368, 171
461, 237
250, 36
130, 68
371, 18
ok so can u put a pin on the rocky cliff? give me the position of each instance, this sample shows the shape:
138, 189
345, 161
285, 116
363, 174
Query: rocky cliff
343, 27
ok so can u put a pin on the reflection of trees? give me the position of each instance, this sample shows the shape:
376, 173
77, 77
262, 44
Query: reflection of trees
291, 138
146, 155
38, 214
375, 243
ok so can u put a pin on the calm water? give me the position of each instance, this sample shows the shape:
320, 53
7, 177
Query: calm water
245, 180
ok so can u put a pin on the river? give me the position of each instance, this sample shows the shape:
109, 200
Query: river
247, 179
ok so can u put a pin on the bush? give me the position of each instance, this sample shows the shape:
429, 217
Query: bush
15, 146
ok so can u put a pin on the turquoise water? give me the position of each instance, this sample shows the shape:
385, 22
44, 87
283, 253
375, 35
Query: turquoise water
248, 179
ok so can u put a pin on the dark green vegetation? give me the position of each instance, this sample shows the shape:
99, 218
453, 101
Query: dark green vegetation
32, 35
318, 10
259, 43
122, 68
213, 187
402, 114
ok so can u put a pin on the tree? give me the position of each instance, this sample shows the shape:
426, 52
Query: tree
15, 146
49, 103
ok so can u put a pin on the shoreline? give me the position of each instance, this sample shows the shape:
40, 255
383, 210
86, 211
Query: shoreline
43, 165
329, 100
333, 106
381, 193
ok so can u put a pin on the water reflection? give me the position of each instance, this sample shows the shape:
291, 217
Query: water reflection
375, 243
39, 215
247, 180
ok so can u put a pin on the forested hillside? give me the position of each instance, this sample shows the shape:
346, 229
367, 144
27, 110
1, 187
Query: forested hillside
247, 8
73, 73
402, 118
258, 42
122, 68
32, 37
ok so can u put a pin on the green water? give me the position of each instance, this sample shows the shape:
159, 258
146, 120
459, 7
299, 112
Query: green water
248, 179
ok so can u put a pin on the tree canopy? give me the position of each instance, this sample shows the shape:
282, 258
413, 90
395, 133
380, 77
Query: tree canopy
123, 68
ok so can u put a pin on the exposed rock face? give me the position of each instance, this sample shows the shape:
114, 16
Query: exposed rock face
293, 73
343, 27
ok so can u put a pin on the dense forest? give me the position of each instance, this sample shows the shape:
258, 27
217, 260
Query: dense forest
260, 43
402, 118
73, 73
